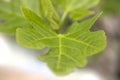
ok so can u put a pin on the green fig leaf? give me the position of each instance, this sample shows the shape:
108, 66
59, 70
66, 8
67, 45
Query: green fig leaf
68, 50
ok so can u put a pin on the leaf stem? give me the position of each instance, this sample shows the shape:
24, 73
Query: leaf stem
63, 18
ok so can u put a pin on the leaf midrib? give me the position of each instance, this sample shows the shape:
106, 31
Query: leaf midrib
60, 50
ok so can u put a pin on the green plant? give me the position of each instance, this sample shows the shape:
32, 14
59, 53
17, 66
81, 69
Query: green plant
57, 26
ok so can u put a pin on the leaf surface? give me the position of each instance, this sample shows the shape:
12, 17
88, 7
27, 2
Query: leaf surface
32, 36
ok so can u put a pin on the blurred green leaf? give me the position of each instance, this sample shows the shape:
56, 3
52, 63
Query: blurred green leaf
71, 5
80, 14
111, 6
48, 11
10, 14
77, 9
